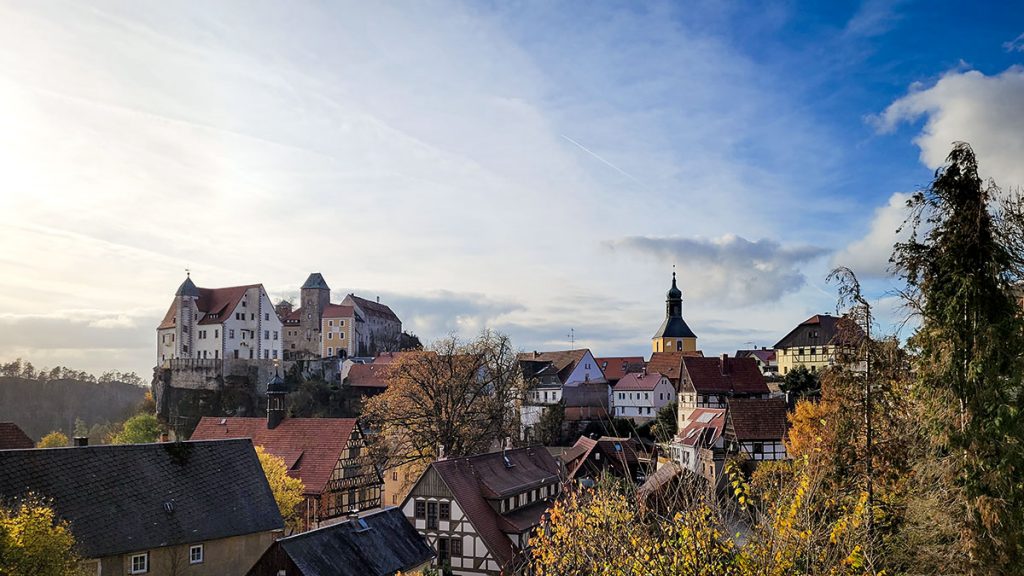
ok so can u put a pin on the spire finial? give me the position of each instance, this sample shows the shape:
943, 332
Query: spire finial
188, 272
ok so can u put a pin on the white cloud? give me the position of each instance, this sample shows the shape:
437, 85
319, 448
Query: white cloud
1015, 45
969, 106
869, 256
730, 269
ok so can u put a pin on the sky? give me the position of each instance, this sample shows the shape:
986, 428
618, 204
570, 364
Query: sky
531, 167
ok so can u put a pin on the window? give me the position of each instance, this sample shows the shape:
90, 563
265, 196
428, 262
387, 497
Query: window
231, 333
800, 351
266, 334
216, 333
442, 549
341, 336
394, 475
758, 447
266, 354
446, 511
274, 354
266, 316
330, 351
679, 345
236, 353
814, 351
330, 322
330, 335
421, 509
341, 322
431, 515
140, 563
252, 316
195, 554
456, 547
275, 334
243, 302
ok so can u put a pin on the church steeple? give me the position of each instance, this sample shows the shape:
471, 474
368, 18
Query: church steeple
674, 334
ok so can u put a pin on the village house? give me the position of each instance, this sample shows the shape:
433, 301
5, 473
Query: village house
380, 543
813, 343
219, 323
478, 512
756, 428
710, 382
12, 437
328, 454
340, 331
765, 358
570, 377
700, 445
201, 508
639, 396
670, 364
625, 458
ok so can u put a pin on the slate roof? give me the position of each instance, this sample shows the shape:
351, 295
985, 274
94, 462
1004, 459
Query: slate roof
310, 447
114, 497
616, 367
674, 327
315, 280
372, 308
475, 479
645, 382
543, 365
828, 330
13, 437
382, 545
758, 418
740, 375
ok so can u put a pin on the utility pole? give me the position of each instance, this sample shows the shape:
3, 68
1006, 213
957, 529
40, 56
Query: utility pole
572, 339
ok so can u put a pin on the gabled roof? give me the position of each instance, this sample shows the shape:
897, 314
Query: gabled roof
819, 330
702, 428
475, 479
670, 364
758, 418
316, 281
371, 308
644, 382
658, 481
619, 453
310, 447
718, 375
559, 363
134, 497
764, 355
615, 367
366, 376
214, 303
377, 544
13, 437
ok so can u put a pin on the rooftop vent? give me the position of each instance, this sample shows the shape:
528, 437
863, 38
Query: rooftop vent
508, 461
363, 526
169, 506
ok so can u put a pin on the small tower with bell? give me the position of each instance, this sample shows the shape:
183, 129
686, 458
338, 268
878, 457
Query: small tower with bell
674, 334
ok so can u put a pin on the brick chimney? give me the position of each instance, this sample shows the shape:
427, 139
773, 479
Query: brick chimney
725, 364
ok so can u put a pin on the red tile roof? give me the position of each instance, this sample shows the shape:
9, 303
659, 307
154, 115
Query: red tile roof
338, 311
647, 382
214, 303
758, 418
740, 375
311, 447
475, 479
619, 453
615, 367
13, 437
366, 376
670, 364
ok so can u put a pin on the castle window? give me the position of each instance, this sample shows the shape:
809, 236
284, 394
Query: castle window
266, 316
275, 334
243, 303
275, 354
266, 334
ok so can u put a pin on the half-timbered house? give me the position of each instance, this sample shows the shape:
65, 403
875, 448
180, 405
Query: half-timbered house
756, 427
478, 512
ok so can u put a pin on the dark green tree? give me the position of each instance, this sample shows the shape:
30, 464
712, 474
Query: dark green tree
549, 429
800, 383
666, 422
962, 265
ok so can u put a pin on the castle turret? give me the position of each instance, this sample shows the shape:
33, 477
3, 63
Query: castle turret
276, 391
674, 334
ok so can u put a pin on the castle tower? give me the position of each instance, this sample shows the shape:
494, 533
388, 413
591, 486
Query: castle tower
187, 315
674, 334
315, 296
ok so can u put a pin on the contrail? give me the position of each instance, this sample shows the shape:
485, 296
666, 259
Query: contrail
603, 161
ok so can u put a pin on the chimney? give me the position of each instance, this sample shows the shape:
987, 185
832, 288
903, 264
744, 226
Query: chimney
378, 299
725, 364
165, 437
80, 441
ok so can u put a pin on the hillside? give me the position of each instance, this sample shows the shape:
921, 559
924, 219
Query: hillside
39, 407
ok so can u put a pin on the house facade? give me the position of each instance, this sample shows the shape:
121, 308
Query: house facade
328, 454
477, 512
201, 508
711, 382
238, 322
340, 330
569, 377
700, 446
382, 329
756, 428
639, 396
813, 344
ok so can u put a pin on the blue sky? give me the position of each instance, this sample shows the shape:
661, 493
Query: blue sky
531, 166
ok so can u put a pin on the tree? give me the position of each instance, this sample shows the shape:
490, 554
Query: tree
54, 439
548, 430
287, 490
666, 422
34, 542
455, 399
800, 382
139, 429
961, 265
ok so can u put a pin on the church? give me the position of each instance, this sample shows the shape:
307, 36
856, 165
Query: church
674, 335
